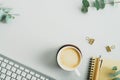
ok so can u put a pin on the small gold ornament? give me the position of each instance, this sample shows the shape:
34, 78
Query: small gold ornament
90, 40
109, 48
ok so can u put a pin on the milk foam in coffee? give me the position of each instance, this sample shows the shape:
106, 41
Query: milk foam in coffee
69, 58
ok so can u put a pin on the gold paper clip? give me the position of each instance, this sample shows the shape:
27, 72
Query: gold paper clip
90, 40
109, 48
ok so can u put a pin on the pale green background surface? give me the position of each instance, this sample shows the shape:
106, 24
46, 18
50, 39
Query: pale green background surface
34, 37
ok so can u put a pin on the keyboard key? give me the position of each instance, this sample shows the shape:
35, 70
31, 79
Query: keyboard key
13, 69
9, 73
26, 70
32, 73
17, 66
21, 68
8, 78
23, 74
11, 63
2, 76
18, 71
33, 78
8, 67
3, 70
42, 78
3, 64
6, 61
28, 76
19, 77
37, 75
14, 75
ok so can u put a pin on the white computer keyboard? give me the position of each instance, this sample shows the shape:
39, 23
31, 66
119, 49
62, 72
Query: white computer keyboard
12, 70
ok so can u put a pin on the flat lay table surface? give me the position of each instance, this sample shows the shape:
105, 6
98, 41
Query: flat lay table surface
43, 26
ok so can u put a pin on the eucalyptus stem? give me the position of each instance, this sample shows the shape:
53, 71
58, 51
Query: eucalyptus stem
113, 2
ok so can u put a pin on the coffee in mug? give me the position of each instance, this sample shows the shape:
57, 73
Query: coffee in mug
69, 57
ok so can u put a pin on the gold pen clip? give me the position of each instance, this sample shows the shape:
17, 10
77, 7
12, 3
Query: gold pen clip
101, 61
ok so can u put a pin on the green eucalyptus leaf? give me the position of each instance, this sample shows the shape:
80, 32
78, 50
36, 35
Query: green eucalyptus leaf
3, 18
114, 68
1, 14
97, 5
85, 3
84, 9
8, 18
102, 4
116, 78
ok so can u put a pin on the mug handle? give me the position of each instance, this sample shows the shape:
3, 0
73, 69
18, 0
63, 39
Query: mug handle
77, 72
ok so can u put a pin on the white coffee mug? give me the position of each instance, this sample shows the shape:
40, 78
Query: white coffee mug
69, 58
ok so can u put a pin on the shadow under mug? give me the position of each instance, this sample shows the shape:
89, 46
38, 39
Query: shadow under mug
70, 46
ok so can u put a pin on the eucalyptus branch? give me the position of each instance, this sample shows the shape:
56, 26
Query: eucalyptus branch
6, 15
98, 4
115, 74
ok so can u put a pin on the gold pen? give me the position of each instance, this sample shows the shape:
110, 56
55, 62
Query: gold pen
97, 68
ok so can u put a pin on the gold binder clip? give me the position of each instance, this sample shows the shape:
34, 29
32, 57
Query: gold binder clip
90, 40
109, 48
